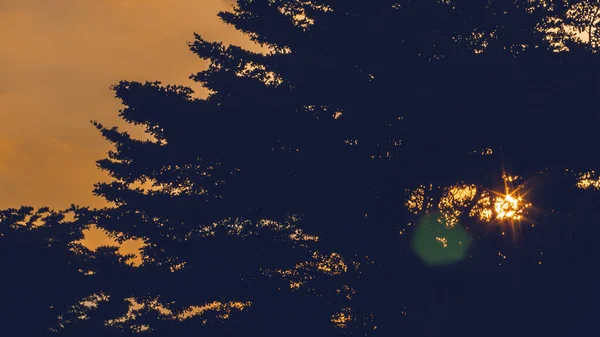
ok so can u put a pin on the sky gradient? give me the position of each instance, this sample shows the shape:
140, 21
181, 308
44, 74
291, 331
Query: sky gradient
57, 62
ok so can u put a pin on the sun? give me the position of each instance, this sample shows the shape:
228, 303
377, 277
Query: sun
510, 208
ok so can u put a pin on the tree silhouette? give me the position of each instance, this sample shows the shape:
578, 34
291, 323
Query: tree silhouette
51, 283
387, 167
419, 92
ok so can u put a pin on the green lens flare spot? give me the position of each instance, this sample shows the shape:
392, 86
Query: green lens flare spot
435, 244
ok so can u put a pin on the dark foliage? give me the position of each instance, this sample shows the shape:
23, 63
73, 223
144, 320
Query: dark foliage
51, 284
353, 104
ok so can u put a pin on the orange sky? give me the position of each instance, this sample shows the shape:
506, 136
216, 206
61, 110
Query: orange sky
57, 61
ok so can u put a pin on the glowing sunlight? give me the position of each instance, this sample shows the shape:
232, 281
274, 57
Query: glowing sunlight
457, 200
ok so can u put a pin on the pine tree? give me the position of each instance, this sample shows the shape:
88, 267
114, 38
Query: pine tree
355, 103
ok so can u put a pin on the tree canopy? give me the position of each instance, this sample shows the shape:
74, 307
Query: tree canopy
419, 167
